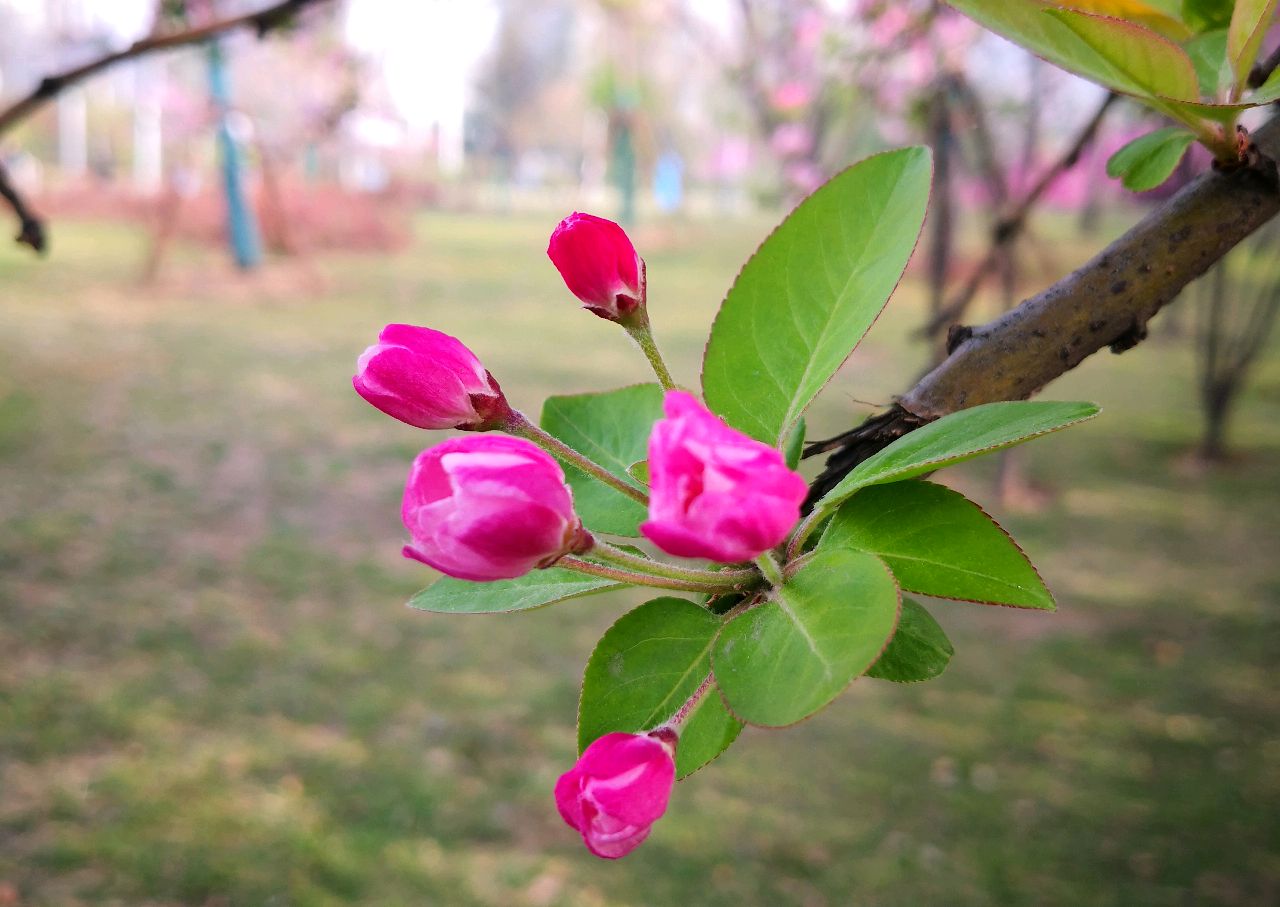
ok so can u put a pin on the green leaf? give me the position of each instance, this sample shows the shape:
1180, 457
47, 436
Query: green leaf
1249, 24
1203, 15
645, 668
918, 651
1141, 61
812, 290
1158, 20
533, 590
1208, 53
639, 471
957, 437
1056, 35
1148, 161
939, 543
793, 449
1269, 90
612, 428
793, 653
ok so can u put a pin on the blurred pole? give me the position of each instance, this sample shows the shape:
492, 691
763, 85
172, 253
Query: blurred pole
242, 229
624, 166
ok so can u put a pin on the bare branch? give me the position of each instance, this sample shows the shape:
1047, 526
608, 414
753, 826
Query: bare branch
1008, 227
262, 22
1264, 68
30, 226
1106, 303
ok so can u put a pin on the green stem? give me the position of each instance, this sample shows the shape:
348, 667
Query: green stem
638, 327
628, 576
711, 580
802, 533
771, 569
682, 715
517, 423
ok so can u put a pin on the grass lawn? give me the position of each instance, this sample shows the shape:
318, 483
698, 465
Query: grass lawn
212, 694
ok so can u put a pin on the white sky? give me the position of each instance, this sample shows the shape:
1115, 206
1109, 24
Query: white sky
427, 49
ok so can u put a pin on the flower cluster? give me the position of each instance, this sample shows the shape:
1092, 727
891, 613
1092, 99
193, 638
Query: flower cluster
486, 508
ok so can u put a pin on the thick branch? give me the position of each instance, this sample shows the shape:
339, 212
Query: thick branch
263, 21
30, 226
1106, 303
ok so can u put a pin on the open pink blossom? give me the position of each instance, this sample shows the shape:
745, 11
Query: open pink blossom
428, 379
714, 492
599, 265
617, 790
489, 507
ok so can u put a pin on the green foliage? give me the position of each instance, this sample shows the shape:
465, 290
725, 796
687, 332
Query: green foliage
1249, 24
1135, 59
939, 543
918, 651
793, 450
645, 668
1148, 161
1164, 21
1204, 15
611, 428
1208, 53
786, 657
775, 643
958, 437
1128, 46
533, 590
812, 290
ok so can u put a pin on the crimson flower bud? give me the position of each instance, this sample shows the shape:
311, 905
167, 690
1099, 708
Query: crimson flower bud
489, 507
617, 790
713, 491
599, 265
430, 380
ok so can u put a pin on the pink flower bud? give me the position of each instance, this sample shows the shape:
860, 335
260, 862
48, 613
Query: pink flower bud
714, 492
489, 507
599, 265
428, 379
617, 790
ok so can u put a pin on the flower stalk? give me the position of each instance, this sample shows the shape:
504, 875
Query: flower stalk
718, 580
607, 571
518, 424
637, 326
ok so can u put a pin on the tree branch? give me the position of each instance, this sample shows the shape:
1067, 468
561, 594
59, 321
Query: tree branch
1264, 68
1008, 227
1106, 303
262, 22
30, 226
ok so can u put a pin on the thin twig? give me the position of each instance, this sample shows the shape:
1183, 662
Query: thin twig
263, 21
1010, 226
30, 226
1263, 69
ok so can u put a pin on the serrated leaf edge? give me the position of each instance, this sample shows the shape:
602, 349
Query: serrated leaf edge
785, 429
